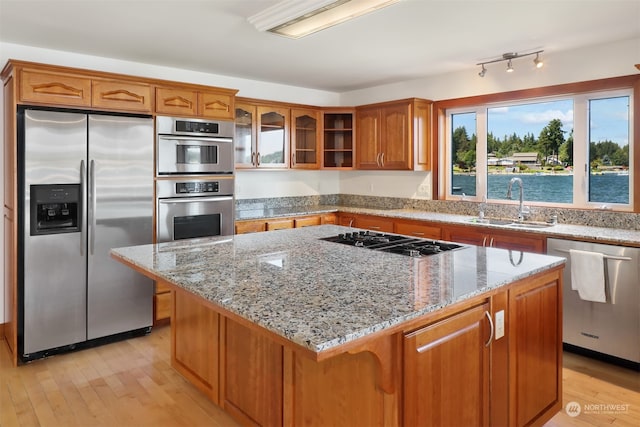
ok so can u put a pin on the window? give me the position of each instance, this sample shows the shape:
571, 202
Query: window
568, 150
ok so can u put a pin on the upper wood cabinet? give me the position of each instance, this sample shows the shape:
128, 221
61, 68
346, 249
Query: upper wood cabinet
391, 135
176, 102
113, 94
186, 102
337, 139
305, 138
49, 85
262, 135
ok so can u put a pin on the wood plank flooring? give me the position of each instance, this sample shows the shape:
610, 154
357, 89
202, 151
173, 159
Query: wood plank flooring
131, 383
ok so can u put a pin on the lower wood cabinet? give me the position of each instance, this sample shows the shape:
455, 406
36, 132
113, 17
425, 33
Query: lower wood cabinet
251, 384
514, 240
447, 371
162, 302
418, 229
446, 368
195, 341
374, 223
259, 225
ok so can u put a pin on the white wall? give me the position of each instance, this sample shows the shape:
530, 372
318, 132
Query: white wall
255, 184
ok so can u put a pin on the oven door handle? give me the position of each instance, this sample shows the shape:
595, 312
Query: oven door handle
195, 199
197, 140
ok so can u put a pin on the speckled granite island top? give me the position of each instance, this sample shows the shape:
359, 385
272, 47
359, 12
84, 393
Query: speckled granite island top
321, 294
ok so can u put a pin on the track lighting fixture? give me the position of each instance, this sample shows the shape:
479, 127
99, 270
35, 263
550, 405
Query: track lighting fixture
509, 56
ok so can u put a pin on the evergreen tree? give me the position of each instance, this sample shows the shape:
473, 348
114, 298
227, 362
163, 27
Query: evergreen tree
551, 138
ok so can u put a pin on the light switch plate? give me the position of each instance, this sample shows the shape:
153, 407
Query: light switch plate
499, 324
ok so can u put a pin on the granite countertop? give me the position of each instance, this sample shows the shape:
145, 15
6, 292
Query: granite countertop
561, 231
321, 294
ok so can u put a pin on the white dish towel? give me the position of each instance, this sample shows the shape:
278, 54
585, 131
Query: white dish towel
587, 275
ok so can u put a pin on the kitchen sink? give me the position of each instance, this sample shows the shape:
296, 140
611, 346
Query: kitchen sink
511, 223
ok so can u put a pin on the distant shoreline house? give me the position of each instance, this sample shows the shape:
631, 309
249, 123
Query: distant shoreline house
531, 159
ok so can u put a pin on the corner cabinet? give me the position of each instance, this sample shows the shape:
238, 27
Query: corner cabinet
305, 138
337, 139
262, 135
394, 135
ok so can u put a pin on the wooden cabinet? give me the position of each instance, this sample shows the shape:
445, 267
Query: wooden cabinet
178, 101
514, 240
337, 139
279, 224
162, 302
535, 349
418, 229
216, 105
66, 90
388, 135
54, 88
447, 371
305, 138
375, 223
258, 225
194, 344
118, 95
252, 226
251, 380
262, 135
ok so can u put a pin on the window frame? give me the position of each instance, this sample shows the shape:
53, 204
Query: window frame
580, 92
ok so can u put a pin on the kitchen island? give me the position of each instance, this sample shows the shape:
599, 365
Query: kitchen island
283, 328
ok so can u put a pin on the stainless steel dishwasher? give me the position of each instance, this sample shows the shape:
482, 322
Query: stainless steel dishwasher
611, 328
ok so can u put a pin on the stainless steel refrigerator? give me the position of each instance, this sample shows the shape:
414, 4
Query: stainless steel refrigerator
86, 186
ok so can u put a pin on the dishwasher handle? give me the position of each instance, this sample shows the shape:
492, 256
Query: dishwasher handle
612, 257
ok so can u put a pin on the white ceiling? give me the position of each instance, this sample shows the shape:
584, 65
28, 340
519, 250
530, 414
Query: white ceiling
411, 39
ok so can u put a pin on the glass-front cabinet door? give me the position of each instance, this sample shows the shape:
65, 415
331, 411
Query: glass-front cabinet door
273, 138
304, 139
245, 137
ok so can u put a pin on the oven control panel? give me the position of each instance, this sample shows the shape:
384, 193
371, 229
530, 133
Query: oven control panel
197, 187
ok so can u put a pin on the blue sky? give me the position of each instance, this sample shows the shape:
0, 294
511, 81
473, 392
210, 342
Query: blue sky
609, 119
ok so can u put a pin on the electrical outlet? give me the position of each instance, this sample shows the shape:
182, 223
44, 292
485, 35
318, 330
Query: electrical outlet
499, 324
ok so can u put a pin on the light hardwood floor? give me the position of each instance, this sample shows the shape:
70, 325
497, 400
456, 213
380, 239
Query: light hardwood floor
131, 383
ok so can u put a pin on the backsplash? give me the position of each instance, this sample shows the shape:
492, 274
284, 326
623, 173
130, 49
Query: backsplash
586, 217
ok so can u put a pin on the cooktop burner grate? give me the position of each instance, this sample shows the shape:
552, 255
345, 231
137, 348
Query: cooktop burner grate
393, 243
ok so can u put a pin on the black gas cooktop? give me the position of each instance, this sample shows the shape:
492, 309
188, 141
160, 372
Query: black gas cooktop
402, 245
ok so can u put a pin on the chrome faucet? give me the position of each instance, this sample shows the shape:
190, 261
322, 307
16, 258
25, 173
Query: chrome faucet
522, 210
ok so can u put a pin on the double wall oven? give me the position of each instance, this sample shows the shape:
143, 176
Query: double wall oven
194, 178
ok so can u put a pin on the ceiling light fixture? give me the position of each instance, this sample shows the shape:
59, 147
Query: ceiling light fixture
509, 56
299, 18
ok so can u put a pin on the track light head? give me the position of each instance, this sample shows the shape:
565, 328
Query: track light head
483, 71
509, 67
539, 63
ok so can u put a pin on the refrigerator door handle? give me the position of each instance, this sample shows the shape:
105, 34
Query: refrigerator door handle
83, 185
92, 199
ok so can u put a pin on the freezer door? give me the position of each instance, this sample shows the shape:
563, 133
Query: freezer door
54, 265
120, 210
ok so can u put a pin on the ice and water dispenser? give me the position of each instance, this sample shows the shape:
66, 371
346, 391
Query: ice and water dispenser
55, 208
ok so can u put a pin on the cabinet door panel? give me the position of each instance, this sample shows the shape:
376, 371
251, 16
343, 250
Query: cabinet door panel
252, 383
273, 137
246, 135
243, 227
465, 235
368, 139
396, 138
121, 96
305, 138
53, 88
175, 101
383, 225
518, 242
447, 372
279, 224
418, 230
307, 222
536, 343
215, 105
